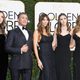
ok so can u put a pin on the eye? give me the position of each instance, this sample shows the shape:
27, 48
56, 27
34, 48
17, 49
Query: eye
2, 16
64, 18
61, 19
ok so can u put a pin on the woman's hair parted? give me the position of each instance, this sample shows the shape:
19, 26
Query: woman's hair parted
77, 27
39, 25
59, 23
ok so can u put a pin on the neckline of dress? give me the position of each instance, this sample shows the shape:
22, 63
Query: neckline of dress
46, 35
64, 35
77, 36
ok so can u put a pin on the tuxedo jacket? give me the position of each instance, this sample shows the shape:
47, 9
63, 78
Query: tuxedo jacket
15, 40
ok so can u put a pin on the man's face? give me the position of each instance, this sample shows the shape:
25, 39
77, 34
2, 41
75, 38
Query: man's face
1, 18
23, 20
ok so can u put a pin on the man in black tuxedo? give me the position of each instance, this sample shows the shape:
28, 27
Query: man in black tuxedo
19, 45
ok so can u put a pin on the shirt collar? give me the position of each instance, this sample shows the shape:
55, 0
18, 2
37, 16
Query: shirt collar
20, 27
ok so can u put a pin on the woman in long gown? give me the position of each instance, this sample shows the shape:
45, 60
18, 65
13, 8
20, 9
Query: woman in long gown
76, 55
45, 57
62, 51
3, 54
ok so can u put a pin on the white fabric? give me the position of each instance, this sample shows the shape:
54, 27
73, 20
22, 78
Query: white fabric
25, 32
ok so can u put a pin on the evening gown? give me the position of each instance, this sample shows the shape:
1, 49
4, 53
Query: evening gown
76, 58
63, 57
46, 55
3, 58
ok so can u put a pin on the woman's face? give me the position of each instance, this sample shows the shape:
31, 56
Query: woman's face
1, 17
45, 22
63, 20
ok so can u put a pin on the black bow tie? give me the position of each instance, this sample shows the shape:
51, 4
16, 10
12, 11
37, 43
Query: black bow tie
23, 28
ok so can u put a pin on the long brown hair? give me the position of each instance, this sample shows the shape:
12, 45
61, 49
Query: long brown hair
3, 24
59, 24
40, 29
77, 27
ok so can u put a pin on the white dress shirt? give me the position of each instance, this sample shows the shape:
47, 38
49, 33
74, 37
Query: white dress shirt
25, 32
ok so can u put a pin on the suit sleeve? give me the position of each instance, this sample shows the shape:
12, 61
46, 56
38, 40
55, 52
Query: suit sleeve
10, 42
31, 41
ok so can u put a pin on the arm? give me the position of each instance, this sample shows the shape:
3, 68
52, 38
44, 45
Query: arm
72, 41
9, 44
35, 41
72, 44
54, 43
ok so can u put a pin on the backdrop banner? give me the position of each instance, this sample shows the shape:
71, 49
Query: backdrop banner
53, 9
11, 9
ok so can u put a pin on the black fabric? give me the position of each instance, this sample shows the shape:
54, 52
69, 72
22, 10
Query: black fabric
3, 58
15, 40
63, 57
76, 58
47, 57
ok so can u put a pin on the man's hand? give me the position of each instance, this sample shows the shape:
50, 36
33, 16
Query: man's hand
24, 48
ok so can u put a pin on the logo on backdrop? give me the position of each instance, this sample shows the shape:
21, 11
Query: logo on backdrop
11, 9
53, 9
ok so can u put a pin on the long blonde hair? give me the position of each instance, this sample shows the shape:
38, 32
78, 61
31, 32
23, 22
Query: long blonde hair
77, 27
59, 24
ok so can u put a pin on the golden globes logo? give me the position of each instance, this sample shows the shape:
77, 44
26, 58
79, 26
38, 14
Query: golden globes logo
53, 9
11, 9
71, 18
12, 19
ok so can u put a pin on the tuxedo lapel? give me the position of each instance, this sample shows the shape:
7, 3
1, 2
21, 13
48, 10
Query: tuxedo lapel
29, 34
21, 33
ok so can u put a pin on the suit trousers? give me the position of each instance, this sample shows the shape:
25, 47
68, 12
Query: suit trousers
25, 74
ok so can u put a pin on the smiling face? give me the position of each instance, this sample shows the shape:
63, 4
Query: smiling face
23, 19
1, 17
